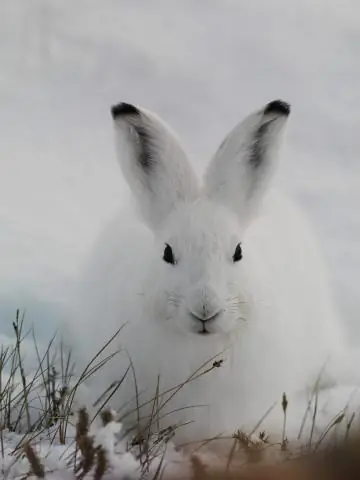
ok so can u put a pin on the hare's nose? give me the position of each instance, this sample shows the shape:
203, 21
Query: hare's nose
203, 318
204, 304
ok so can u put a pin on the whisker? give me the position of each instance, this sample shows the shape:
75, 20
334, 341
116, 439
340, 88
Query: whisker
173, 298
239, 318
236, 300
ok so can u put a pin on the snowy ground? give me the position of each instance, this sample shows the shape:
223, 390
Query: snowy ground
201, 65
57, 460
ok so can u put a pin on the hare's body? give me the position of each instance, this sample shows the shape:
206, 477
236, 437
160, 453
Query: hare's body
249, 291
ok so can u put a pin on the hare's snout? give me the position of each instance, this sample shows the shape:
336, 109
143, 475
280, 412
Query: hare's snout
205, 309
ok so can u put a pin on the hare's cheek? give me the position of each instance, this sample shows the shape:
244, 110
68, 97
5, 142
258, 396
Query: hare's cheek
170, 310
162, 307
153, 305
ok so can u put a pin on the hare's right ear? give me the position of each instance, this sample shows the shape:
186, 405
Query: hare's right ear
153, 163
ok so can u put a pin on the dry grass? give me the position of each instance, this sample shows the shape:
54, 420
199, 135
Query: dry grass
36, 466
44, 401
339, 463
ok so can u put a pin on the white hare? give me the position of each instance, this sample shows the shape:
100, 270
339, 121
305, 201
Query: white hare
228, 269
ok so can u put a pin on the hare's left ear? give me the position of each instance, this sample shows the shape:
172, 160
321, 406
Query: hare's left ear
153, 163
239, 172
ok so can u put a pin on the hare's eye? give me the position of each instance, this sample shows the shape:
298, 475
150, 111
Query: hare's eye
238, 253
168, 256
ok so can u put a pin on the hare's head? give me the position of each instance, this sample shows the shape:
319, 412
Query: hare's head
198, 275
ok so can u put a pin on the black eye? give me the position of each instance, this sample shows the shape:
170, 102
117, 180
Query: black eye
238, 253
168, 255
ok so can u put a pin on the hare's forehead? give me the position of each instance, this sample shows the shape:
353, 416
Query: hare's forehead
202, 225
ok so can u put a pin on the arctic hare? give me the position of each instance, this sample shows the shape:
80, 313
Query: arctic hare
226, 272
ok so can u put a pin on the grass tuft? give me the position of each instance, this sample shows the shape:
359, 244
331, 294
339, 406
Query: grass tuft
42, 403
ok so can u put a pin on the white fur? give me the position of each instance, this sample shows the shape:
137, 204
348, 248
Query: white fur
276, 321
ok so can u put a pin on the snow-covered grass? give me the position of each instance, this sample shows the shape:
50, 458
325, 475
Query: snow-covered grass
44, 430
42, 425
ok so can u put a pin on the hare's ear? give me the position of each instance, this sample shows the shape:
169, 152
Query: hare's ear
239, 172
153, 163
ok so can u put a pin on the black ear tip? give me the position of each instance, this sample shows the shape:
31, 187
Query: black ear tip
123, 109
278, 106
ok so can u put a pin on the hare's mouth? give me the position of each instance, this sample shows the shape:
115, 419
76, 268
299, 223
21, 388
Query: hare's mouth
205, 323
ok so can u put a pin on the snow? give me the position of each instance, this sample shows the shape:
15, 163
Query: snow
55, 458
58, 459
202, 66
